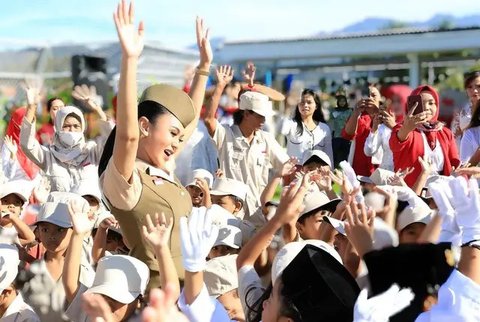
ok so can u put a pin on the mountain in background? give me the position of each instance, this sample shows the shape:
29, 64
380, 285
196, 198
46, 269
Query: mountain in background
438, 21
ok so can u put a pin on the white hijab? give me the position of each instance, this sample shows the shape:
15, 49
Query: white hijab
68, 154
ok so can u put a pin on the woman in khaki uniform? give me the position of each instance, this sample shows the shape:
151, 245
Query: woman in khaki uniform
136, 169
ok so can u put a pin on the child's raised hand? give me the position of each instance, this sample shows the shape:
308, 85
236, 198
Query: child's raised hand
79, 214
157, 232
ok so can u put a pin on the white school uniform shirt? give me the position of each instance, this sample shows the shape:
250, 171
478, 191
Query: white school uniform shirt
19, 311
435, 156
203, 309
470, 143
320, 138
377, 146
249, 163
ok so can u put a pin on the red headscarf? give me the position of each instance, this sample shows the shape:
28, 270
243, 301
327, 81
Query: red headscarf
400, 92
13, 130
433, 126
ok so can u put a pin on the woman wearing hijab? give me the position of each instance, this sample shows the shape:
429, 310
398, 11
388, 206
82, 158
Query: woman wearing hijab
65, 161
422, 135
139, 157
15, 164
377, 143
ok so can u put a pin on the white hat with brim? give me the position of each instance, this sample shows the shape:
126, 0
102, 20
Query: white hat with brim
288, 253
120, 277
9, 262
230, 236
229, 187
56, 213
307, 155
200, 174
379, 177
104, 215
221, 275
256, 102
13, 187
316, 200
89, 188
338, 225
411, 215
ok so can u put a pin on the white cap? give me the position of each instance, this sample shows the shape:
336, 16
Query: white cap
226, 186
379, 177
230, 236
220, 276
57, 213
375, 201
14, 187
318, 200
410, 215
256, 102
288, 253
89, 188
383, 235
120, 277
222, 217
9, 262
307, 155
101, 217
200, 174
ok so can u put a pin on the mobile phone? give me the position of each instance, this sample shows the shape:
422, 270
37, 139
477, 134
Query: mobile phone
411, 100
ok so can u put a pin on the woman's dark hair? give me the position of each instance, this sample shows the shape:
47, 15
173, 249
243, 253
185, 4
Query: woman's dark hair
75, 116
148, 109
470, 77
317, 114
50, 102
287, 307
475, 121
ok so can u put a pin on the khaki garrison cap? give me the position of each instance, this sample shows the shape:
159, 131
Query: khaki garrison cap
173, 99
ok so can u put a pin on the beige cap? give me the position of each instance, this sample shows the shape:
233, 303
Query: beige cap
220, 276
307, 155
226, 186
120, 277
9, 262
200, 174
379, 177
410, 215
256, 102
230, 236
288, 253
173, 99
318, 200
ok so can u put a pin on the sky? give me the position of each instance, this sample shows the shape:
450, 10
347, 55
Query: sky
41, 22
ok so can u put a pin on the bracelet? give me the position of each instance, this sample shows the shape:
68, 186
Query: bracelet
202, 72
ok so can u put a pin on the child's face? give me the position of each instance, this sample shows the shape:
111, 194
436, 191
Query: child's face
226, 202
233, 306
310, 228
196, 195
411, 233
121, 312
12, 204
113, 242
54, 238
221, 250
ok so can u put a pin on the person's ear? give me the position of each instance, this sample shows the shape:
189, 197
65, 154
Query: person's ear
143, 125
299, 227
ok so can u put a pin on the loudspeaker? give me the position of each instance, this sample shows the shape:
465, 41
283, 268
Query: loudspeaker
91, 70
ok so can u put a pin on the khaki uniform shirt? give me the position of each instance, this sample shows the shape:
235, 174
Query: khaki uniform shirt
151, 191
248, 162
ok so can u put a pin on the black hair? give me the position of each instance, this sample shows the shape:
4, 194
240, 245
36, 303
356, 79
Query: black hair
470, 77
316, 160
75, 116
475, 121
238, 116
50, 102
317, 114
287, 307
148, 109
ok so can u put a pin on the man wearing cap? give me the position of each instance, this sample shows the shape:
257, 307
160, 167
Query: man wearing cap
246, 152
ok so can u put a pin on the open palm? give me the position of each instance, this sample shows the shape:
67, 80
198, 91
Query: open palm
131, 38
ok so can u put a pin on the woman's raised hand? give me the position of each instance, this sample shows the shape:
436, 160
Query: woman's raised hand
203, 43
131, 38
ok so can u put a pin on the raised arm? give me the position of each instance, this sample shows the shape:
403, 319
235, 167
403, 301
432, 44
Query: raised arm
197, 91
87, 95
410, 122
224, 76
157, 234
127, 132
352, 123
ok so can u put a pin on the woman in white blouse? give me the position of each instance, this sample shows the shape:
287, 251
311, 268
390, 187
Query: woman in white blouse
470, 143
308, 130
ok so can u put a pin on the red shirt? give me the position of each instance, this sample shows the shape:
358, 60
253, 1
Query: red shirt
45, 134
406, 153
362, 164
